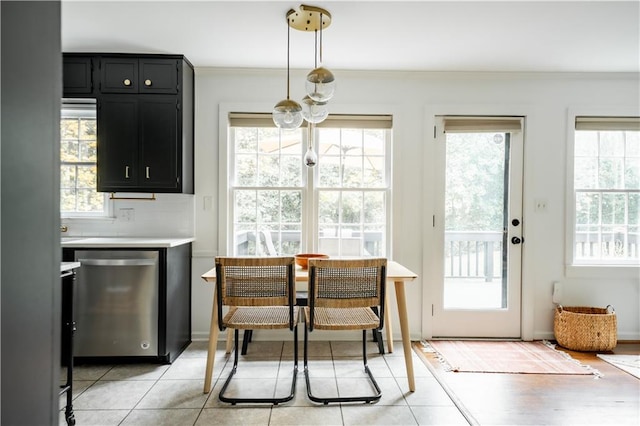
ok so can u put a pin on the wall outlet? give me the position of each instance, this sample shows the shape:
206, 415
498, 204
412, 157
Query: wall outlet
557, 292
126, 214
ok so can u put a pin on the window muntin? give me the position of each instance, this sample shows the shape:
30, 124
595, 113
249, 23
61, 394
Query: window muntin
78, 170
352, 191
606, 191
279, 206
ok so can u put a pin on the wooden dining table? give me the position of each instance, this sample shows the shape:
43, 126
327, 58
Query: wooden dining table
396, 274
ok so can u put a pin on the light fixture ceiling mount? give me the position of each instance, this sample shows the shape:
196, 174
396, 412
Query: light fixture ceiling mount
308, 18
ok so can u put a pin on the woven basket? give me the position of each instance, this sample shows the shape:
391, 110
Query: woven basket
582, 328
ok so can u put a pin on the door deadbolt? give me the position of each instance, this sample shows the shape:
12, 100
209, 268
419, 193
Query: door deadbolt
515, 222
516, 240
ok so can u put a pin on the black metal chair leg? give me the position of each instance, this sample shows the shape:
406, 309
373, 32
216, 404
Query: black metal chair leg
248, 334
325, 401
274, 401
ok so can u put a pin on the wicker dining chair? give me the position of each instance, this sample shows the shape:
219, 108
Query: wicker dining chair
259, 294
342, 294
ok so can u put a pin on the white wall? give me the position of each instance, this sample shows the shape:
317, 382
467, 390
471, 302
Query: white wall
413, 99
169, 215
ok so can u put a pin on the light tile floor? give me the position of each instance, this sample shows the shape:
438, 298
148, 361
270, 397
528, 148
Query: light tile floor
151, 394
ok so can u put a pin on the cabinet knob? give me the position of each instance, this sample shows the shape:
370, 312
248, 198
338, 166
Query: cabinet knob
147, 82
127, 82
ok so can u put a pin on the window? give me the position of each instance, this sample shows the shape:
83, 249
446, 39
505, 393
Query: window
78, 171
278, 206
606, 190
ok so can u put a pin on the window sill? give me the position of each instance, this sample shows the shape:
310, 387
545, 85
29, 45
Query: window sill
65, 219
603, 271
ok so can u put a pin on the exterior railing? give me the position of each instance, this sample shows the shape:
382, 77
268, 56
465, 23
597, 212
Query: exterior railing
271, 243
606, 245
473, 254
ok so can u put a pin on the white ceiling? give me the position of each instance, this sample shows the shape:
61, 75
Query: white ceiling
369, 35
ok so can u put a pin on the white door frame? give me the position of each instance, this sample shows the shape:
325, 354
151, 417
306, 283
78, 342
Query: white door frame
432, 240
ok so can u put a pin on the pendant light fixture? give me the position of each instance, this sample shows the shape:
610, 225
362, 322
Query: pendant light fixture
320, 83
287, 114
310, 158
314, 112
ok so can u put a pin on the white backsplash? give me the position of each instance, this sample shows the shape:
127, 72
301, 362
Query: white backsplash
170, 215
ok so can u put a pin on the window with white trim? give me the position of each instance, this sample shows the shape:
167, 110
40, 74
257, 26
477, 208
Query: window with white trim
78, 170
606, 186
340, 207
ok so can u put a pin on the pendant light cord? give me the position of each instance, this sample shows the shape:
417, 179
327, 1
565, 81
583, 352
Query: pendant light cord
288, 43
315, 53
321, 25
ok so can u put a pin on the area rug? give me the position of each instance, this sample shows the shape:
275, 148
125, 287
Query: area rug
505, 357
628, 363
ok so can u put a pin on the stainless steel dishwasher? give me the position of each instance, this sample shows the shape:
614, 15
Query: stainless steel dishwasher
116, 303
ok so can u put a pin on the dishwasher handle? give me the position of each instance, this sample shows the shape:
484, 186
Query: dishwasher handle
118, 262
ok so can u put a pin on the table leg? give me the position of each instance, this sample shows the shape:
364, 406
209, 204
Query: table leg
229, 341
406, 338
387, 323
213, 342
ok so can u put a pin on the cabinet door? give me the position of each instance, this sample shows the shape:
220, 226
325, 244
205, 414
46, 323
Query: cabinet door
158, 76
77, 76
117, 143
159, 143
119, 75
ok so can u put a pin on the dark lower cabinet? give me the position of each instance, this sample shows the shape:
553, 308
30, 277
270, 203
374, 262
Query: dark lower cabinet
112, 323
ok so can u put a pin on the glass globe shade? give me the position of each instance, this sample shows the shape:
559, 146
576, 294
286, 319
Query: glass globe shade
320, 84
312, 111
287, 114
310, 158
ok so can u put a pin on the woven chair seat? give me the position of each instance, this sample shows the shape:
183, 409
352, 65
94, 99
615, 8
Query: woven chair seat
343, 319
259, 317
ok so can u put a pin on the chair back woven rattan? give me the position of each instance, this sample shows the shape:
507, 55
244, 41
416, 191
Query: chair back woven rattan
336, 284
345, 295
265, 284
259, 293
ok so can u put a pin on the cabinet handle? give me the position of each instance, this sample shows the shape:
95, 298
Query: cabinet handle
126, 172
127, 82
147, 82
147, 171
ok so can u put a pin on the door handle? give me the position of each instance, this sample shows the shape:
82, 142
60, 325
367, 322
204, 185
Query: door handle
118, 262
516, 240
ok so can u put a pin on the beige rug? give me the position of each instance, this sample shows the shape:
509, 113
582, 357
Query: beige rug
628, 363
505, 357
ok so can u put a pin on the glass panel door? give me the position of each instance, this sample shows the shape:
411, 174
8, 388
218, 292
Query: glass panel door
479, 293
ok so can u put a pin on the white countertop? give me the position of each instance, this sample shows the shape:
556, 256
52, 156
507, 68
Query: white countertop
124, 242
67, 266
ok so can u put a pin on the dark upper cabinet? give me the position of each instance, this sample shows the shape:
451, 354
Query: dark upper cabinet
145, 119
77, 72
137, 147
143, 75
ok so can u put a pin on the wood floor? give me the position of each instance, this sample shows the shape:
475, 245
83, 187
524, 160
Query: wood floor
533, 399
